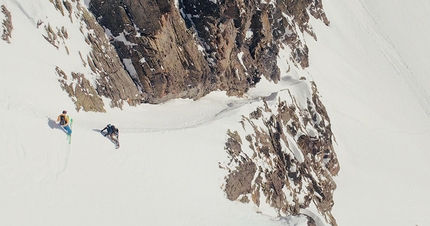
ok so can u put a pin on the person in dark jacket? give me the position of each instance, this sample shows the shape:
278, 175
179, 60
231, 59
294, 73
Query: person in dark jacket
112, 132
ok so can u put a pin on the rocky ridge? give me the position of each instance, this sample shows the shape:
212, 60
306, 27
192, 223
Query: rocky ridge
192, 48
105, 74
157, 50
283, 156
6, 25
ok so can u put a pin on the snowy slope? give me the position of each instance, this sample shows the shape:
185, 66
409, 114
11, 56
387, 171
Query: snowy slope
370, 67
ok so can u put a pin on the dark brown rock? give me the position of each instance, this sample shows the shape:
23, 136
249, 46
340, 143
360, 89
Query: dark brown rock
110, 79
6, 24
289, 181
227, 46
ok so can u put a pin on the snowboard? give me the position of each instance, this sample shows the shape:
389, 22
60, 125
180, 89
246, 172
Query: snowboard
69, 136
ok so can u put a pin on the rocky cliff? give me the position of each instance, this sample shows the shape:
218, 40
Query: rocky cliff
283, 157
194, 47
158, 50
110, 78
7, 26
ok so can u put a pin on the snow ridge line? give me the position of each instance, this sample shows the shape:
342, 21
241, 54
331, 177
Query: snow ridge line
24, 11
386, 46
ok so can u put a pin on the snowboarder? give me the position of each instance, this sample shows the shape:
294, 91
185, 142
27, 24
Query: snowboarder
63, 120
113, 133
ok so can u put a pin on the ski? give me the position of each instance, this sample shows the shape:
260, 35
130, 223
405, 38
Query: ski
69, 136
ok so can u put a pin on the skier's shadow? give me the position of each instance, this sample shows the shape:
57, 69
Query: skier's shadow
53, 124
103, 134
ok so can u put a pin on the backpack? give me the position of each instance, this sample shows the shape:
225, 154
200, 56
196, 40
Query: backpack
111, 129
62, 120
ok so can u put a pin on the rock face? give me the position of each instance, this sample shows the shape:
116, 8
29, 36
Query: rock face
158, 50
105, 76
284, 157
189, 50
113, 81
162, 54
7, 27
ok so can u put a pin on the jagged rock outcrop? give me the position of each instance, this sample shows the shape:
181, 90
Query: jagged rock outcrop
80, 91
189, 50
7, 26
186, 50
164, 56
284, 156
106, 75
113, 82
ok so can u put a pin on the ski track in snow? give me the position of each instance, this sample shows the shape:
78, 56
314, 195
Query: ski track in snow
24, 11
206, 116
380, 129
393, 56
200, 118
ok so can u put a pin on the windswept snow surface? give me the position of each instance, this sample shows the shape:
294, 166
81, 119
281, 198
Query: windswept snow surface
370, 66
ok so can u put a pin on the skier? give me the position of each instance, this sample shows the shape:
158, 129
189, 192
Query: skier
63, 120
113, 133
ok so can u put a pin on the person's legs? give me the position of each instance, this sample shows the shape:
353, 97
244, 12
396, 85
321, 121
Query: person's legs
113, 137
68, 130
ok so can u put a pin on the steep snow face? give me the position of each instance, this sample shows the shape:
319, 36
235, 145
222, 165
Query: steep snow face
371, 67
